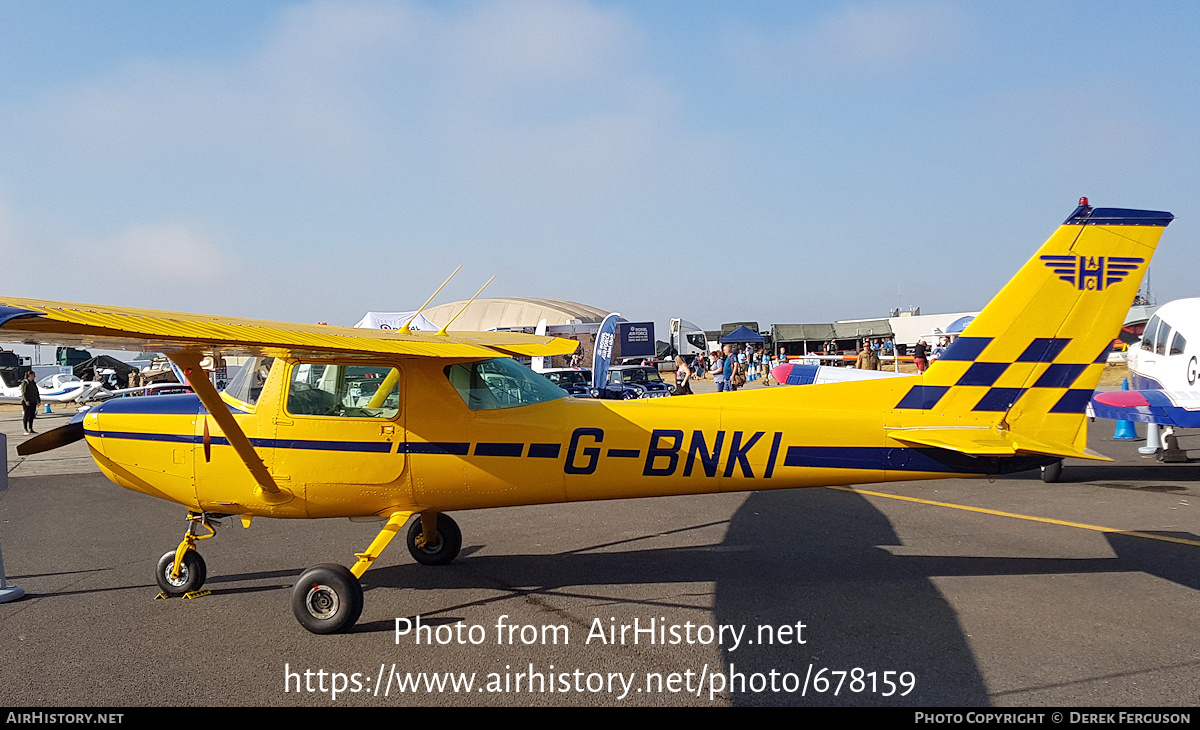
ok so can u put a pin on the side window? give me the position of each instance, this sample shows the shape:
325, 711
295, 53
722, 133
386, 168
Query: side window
1148, 333
1178, 345
344, 391
1160, 342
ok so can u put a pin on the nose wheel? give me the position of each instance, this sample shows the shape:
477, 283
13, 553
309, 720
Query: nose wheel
190, 577
182, 572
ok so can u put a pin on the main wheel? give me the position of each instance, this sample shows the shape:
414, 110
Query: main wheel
1052, 473
444, 549
192, 573
327, 599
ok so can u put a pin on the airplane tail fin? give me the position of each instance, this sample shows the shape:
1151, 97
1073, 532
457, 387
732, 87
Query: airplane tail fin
1027, 365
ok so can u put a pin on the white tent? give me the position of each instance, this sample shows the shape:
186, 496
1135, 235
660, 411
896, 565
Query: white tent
396, 320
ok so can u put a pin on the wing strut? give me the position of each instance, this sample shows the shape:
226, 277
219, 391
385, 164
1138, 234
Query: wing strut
189, 362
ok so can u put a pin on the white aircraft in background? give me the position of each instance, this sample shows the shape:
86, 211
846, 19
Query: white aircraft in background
57, 388
1164, 377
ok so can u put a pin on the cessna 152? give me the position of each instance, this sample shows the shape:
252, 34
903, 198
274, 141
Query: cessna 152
342, 422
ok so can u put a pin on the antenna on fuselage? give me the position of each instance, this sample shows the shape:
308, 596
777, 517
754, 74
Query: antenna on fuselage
442, 331
407, 328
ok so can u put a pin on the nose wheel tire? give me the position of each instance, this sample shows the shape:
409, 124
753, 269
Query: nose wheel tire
327, 599
192, 573
445, 546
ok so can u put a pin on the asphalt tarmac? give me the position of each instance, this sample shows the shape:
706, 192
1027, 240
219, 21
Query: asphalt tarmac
1012, 593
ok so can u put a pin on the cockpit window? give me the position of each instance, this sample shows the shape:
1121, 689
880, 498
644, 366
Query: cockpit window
1160, 342
247, 383
1148, 333
500, 383
1178, 345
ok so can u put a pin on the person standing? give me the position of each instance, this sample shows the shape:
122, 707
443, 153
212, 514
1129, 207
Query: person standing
718, 371
729, 368
939, 349
683, 377
867, 358
30, 398
920, 358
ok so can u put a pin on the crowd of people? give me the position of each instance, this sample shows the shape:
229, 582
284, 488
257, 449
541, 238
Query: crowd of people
730, 367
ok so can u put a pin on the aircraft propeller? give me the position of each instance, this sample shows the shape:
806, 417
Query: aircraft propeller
50, 440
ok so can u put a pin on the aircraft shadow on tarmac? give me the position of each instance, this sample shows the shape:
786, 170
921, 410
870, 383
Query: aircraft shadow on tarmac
808, 555
1133, 473
1100, 473
811, 555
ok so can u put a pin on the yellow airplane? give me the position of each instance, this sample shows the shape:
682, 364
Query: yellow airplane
341, 422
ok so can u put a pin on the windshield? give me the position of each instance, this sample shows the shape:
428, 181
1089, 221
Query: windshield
1148, 333
638, 375
500, 383
247, 384
62, 379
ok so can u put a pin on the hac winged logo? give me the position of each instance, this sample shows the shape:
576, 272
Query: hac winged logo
1092, 273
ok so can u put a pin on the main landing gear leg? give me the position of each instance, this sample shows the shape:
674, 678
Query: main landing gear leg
328, 598
181, 572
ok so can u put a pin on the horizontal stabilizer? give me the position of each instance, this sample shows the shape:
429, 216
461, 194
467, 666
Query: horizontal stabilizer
987, 442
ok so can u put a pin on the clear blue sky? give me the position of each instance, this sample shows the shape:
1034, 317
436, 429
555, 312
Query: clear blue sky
719, 161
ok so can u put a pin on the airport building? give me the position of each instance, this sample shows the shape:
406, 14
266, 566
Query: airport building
513, 312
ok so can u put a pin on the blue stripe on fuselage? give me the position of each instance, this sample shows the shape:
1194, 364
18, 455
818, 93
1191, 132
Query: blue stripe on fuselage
883, 458
381, 447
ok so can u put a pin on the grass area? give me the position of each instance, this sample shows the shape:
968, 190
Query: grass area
1113, 374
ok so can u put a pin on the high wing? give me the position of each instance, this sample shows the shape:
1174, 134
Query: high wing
1164, 407
36, 321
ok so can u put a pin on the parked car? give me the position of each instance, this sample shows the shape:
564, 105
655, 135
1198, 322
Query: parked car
626, 382
576, 381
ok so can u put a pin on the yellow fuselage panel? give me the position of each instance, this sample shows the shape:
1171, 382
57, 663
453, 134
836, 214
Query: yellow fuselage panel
439, 454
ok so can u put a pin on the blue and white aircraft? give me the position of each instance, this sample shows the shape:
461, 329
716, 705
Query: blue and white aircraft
1164, 375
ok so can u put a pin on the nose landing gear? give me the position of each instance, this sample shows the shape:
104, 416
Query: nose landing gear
182, 572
